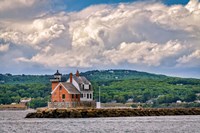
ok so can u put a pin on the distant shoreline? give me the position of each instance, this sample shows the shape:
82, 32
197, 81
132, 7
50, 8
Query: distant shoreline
117, 112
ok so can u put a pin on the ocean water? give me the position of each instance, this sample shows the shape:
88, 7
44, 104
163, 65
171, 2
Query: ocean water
14, 122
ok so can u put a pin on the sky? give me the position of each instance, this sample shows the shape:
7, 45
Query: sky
156, 36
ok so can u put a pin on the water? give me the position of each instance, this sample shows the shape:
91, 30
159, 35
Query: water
14, 122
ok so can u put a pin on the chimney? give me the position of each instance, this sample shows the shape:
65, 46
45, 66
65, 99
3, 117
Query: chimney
70, 77
77, 73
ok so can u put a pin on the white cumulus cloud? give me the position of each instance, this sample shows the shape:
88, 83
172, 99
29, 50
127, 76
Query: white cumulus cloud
144, 53
11, 4
192, 59
142, 33
33, 33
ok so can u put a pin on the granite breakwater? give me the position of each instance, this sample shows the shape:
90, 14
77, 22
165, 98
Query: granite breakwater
92, 113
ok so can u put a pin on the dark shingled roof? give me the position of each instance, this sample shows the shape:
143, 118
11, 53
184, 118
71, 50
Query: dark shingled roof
81, 79
57, 73
71, 88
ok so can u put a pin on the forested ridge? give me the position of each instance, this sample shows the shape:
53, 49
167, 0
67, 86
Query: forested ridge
115, 85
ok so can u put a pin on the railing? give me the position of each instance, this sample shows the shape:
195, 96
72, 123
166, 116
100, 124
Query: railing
63, 104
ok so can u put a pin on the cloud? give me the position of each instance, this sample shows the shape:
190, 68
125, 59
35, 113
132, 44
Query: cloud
28, 9
13, 4
4, 47
33, 33
193, 6
191, 60
150, 34
147, 53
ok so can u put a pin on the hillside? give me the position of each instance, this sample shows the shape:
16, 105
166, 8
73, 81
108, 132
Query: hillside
23, 79
95, 75
115, 85
106, 75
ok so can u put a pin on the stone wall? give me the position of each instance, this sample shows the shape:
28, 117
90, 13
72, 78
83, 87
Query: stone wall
88, 104
71, 104
63, 104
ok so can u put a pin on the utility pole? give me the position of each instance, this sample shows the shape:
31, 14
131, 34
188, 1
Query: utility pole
99, 95
98, 104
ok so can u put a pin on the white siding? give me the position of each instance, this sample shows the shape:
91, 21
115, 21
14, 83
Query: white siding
84, 98
86, 86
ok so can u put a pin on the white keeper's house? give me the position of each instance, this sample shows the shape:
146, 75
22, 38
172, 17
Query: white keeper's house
77, 91
83, 86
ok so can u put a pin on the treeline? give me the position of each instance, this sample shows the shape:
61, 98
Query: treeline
148, 90
116, 86
24, 79
12, 93
107, 75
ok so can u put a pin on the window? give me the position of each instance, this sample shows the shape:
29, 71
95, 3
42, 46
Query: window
82, 86
87, 96
90, 96
72, 96
60, 87
81, 95
77, 96
86, 87
63, 96
90, 87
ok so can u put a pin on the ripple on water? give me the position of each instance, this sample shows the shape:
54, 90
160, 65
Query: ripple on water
14, 122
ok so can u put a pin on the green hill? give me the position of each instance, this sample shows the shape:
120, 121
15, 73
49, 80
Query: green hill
115, 85
24, 79
95, 75
105, 75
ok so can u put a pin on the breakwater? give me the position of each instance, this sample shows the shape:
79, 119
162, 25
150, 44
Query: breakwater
13, 107
92, 113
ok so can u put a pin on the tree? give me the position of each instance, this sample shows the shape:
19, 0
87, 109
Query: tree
190, 97
38, 102
169, 98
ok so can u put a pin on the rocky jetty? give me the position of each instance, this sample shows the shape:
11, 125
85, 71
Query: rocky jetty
91, 113
13, 107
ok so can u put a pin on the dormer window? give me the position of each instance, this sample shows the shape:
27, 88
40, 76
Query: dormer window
86, 87
90, 87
